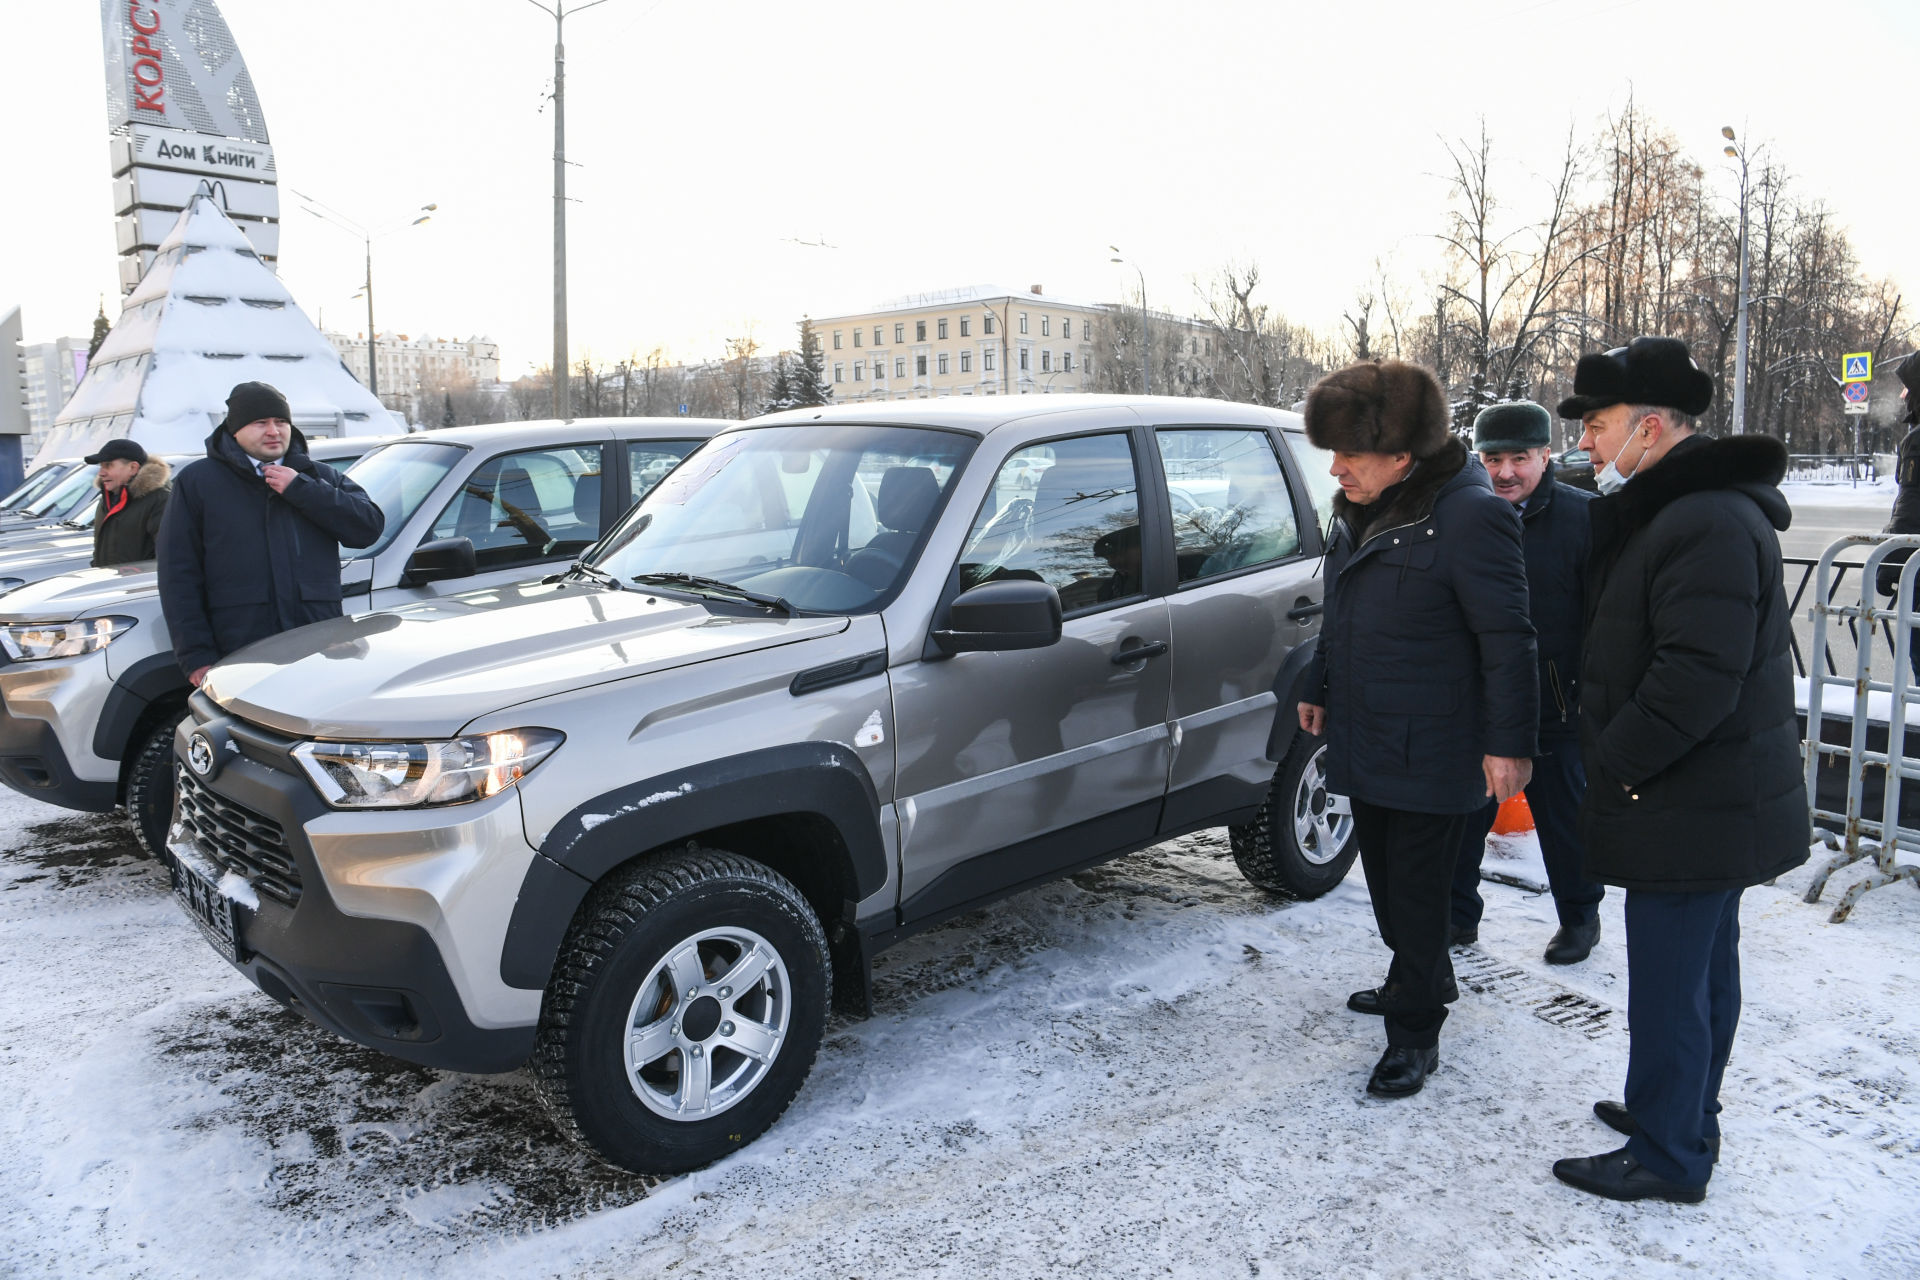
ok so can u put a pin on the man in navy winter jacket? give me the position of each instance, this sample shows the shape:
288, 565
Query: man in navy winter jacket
250, 546
1424, 677
1513, 441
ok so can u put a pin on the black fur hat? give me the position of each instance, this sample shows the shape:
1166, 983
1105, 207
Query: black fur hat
1649, 371
1387, 406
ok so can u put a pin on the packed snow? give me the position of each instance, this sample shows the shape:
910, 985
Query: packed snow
1146, 1070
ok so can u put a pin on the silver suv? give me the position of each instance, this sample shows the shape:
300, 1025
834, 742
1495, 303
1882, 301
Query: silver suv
844, 674
90, 685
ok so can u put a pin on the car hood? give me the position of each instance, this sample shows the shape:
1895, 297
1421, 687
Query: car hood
83, 592
425, 670
15, 556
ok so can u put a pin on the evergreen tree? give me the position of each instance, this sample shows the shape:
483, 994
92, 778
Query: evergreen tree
809, 374
100, 330
780, 394
446, 411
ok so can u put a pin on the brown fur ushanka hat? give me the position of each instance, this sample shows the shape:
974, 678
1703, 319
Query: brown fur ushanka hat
1387, 406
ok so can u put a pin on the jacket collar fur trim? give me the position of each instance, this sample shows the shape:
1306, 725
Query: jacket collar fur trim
1753, 465
152, 476
1411, 500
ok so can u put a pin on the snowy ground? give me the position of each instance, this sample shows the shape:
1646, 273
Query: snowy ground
1840, 492
1144, 1071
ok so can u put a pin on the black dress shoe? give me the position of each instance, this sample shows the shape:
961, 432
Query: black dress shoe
1401, 1072
1618, 1176
1372, 999
1573, 943
1463, 936
1616, 1117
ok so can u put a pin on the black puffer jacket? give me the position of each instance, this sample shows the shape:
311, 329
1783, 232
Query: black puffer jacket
128, 535
1426, 657
1557, 541
1687, 717
239, 562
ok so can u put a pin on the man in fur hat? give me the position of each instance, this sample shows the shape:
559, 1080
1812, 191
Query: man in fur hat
1427, 692
251, 543
1687, 728
133, 497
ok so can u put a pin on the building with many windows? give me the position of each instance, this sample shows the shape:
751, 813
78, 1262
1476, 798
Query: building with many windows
408, 365
53, 370
976, 340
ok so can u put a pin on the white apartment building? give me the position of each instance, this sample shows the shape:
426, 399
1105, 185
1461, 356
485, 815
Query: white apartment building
408, 364
53, 371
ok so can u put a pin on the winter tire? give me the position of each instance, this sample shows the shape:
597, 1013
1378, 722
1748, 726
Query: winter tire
684, 1013
150, 787
1300, 844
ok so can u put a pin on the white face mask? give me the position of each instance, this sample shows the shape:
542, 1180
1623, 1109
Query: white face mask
1611, 480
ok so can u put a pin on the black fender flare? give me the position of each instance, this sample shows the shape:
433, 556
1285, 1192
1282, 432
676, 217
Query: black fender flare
822, 778
1290, 688
153, 678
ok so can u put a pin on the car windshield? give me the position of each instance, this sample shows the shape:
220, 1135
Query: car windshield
398, 477
34, 485
825, 517
63, 498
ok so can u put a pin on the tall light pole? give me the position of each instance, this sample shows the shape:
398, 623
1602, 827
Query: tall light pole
1006, 313
1146, 342
1737, 152
562, 388
328, 214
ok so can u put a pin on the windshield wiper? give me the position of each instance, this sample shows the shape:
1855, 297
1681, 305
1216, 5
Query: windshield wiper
600, 576
713, 586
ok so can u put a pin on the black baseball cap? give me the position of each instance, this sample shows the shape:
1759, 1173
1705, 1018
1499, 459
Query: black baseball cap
118, 451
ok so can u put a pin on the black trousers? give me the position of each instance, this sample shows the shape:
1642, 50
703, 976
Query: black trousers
1554, 794
1683, 1003
1408, 859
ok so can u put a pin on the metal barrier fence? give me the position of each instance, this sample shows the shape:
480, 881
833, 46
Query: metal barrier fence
1798, 591
1833, 468
1860, 837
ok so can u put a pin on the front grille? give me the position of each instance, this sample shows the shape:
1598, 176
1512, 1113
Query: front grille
241, 840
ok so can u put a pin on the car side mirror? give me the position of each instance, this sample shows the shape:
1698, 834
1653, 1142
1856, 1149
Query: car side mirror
439, 561
998, 616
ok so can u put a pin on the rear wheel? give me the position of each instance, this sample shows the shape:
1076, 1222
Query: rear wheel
1300, 844
684, 1012
150, 786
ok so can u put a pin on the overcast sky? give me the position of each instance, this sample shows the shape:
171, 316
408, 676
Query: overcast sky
998, 141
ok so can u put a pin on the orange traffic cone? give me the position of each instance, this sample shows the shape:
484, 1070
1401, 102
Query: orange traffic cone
1514, 817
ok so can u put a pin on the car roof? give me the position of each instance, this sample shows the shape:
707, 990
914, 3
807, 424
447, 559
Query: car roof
540, 431
986, 414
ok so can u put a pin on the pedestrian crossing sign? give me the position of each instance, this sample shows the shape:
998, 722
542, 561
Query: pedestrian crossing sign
1857, 367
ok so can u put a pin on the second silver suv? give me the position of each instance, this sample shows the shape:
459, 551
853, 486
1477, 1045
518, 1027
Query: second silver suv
844, 674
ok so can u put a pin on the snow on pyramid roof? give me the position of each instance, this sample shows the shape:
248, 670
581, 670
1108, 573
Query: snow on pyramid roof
206, 315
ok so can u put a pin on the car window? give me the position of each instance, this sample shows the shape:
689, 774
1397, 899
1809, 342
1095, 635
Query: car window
521, 508
34, 485
72, 490
828, 517
1316, 465
1065, 513
648, 462
1241, 510
399, 478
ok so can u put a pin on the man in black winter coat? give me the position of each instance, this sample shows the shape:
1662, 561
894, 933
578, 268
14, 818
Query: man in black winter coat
1692, 748
1424, 672
133, 501
1905, 517
1514, 443
251, 542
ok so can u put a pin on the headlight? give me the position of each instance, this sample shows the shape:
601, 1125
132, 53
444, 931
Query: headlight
403, 775
28, 641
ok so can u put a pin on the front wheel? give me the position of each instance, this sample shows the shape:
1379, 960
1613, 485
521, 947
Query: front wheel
684, 1012
150, 786
1300, 844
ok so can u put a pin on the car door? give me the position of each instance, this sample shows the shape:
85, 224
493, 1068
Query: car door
1015, 766
1246, 595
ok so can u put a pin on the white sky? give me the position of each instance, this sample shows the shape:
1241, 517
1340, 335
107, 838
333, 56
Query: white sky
994, 141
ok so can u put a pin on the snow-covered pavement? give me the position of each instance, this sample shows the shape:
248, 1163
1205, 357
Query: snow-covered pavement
1144, 1071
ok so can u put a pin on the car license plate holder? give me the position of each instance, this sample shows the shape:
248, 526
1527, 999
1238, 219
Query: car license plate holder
196, 885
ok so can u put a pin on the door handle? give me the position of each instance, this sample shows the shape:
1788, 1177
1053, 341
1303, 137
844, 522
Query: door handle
1139, 653
1303, 608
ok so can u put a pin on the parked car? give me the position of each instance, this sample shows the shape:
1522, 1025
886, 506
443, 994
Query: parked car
635, 823
37, 482
87, 670
1575, 467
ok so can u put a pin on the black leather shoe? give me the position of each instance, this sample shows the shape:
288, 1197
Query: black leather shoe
1573, 943
1616, 1117
1460, 936
1618, 1176
1401, 1072
1370, 1000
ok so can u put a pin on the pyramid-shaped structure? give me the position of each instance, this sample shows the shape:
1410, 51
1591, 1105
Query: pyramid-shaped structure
206, 315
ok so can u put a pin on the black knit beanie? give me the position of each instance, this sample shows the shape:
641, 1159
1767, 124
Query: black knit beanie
252, 401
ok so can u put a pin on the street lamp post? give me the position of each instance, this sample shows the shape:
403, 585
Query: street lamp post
1146, 342
1006, 312
334, 217
562, 390
1737, 152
